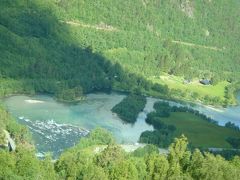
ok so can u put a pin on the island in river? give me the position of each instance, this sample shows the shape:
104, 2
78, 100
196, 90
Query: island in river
56, 126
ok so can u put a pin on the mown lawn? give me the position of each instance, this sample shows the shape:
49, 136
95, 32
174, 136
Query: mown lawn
200, 132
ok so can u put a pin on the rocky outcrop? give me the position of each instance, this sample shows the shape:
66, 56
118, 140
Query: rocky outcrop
9, 142
187, 7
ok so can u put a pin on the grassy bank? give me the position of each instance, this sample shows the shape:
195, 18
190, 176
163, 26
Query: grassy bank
199, 132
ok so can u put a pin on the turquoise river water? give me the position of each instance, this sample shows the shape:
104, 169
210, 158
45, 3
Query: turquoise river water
56, 126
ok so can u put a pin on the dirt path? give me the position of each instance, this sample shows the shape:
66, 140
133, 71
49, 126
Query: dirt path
101, 26
104, 27
197, 45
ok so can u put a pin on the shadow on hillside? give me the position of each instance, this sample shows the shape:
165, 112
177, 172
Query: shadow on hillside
42, 49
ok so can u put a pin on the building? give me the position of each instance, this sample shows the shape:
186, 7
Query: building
205, 82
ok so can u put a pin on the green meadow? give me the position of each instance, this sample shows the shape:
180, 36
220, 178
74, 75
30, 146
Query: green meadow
201, 91
199, 132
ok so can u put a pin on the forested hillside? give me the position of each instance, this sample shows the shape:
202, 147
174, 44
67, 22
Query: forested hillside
171, 36
38, 52
147, 47
70, 47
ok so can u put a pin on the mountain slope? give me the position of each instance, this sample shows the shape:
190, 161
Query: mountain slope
70, 44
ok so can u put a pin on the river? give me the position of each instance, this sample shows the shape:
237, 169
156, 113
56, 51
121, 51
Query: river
56, 126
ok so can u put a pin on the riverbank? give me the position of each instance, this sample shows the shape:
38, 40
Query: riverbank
95, 111
12, 87
215, 112
218, 94
77, 100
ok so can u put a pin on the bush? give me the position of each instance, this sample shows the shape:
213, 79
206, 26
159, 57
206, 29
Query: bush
232, 126
235, 142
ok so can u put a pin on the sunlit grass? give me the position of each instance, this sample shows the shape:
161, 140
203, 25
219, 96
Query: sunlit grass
199, 132
174, 82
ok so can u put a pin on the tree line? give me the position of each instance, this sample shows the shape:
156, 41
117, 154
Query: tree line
112, 162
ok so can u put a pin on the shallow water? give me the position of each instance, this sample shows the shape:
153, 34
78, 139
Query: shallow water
94, 112
56, 126
221, 115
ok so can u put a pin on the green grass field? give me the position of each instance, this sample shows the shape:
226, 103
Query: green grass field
199, 132
175, 82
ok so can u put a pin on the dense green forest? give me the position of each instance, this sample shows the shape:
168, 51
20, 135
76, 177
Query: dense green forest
150, 47
39, 54
72, 47
99, 157
129, 108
